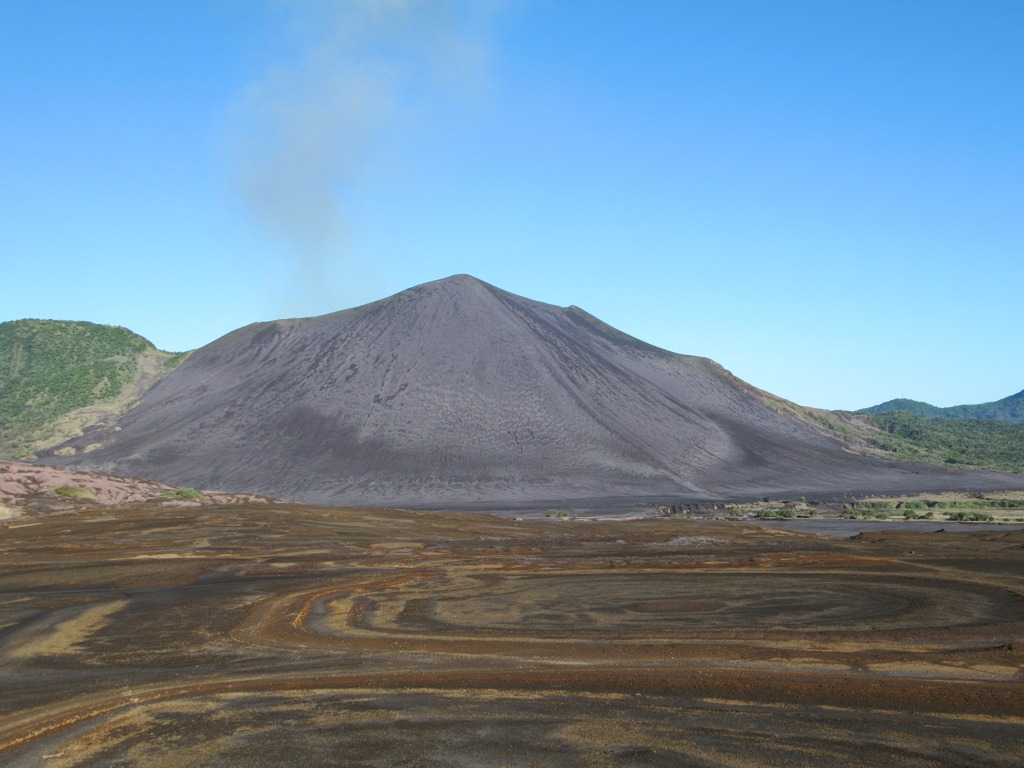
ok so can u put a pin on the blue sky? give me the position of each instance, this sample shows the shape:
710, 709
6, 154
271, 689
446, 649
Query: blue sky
825, 197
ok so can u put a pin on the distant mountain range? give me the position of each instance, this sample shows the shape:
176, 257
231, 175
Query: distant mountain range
457, 392
1009, 409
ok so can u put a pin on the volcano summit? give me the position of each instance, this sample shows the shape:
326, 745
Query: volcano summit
458, 392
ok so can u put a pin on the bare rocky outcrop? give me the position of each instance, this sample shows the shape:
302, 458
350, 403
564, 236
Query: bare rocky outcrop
36, 488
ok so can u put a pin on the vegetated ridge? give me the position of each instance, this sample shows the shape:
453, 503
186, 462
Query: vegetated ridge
1009, 409
458, 392
987, 435
59, 377
997, 445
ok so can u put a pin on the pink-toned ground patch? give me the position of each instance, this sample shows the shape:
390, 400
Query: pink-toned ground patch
22, 483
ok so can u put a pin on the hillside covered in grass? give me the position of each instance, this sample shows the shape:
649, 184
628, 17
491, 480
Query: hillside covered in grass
906, 436
57, 377
982, 443
1009, 409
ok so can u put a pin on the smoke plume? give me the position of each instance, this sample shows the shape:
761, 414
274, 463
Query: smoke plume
360, 73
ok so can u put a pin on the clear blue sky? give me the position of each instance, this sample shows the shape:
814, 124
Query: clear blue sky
825, 197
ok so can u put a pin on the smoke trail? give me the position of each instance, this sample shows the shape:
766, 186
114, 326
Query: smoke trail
364, 71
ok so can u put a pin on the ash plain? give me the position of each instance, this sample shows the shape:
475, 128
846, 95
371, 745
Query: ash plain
276, 634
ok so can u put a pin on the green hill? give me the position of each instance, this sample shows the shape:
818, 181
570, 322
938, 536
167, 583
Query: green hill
906, 436
58, 377
1009, 409
979, 443
903, 404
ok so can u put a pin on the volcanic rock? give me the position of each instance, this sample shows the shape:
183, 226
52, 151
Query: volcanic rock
458, 392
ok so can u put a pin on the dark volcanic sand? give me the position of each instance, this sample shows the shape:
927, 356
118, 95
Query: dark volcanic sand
456, 392
264, 636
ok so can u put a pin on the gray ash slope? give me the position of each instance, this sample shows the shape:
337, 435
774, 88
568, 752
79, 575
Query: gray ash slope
456, 391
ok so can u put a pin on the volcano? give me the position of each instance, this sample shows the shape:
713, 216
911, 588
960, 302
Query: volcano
458, 392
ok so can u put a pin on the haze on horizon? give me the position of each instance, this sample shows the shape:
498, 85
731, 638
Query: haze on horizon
824, 198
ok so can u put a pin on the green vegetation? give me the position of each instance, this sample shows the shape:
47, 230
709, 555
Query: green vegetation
559, 513
970, 517
1009, 409
50, 368
819, 418
185, 494
957, 510
969, 444
903, 404
174, 360
913, 514
73, 492
857, 513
